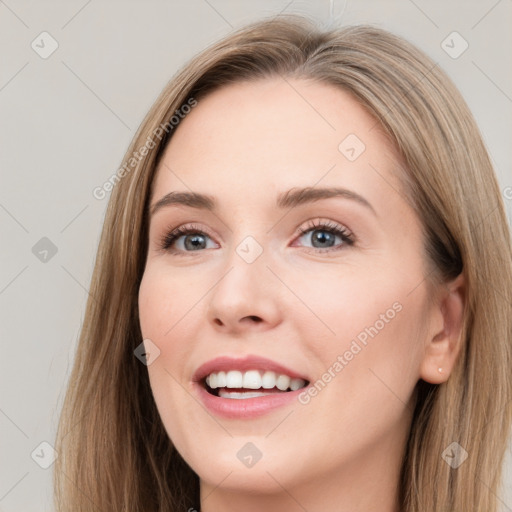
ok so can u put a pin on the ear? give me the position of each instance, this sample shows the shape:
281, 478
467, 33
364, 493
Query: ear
444, 341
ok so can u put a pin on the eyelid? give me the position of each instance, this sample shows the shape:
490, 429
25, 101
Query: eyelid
171, 235
326, 224
178, 231
340, 230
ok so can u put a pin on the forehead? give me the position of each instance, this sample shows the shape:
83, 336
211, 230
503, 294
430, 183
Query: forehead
276, 134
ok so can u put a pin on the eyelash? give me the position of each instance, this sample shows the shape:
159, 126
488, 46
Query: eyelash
347, 237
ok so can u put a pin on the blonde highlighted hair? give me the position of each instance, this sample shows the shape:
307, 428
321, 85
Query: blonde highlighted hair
114, 453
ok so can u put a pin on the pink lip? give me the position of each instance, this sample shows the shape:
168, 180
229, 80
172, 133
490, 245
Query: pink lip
248, 407
245, 408
243, 364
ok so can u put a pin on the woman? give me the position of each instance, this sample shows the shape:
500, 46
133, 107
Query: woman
229, 359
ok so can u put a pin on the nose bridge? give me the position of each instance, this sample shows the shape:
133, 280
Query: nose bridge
249, 248
245, 288
245, 269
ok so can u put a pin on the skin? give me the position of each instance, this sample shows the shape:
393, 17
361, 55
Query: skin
244, 144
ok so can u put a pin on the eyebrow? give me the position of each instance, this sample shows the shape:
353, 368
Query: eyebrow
290, 199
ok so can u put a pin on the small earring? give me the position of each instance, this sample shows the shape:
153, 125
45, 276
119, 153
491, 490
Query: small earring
440, 370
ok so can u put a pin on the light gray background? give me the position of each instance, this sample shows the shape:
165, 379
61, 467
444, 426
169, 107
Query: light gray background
66, 122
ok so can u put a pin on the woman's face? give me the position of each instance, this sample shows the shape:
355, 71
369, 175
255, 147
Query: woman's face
341, 305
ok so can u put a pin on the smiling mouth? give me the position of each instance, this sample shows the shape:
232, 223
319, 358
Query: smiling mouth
235, 384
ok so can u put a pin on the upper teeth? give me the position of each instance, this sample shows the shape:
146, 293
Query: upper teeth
253, 379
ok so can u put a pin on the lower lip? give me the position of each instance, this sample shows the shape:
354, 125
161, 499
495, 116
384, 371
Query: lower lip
245, 407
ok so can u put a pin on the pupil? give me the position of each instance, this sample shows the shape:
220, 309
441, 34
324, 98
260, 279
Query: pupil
322, 236
195, 241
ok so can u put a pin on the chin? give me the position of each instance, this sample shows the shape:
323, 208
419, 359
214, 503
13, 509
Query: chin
250, 464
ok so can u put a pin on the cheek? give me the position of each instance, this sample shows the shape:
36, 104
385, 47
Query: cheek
166, 312
344, 302
159, 315
365, 374
164, 299
365, 325
151, 310
159, 322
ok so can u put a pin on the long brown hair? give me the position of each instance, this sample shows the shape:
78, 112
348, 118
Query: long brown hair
113, 451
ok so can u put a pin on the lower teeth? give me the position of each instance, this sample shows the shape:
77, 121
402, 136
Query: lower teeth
242, 394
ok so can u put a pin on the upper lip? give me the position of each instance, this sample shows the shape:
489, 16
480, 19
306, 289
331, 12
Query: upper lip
250, 362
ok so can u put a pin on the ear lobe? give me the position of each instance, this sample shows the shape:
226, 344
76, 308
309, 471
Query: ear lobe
444, 346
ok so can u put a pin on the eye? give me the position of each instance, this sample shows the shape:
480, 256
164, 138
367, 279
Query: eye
194, 239
324, 233
323, 237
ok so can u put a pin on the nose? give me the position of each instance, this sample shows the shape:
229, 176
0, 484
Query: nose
245, 298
